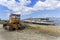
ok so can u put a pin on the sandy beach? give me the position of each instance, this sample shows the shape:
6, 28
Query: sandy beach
27, 34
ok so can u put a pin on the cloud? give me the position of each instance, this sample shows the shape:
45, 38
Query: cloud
17, 7
47, 5
21, 8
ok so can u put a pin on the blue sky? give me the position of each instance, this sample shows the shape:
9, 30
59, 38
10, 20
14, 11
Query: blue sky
36, 13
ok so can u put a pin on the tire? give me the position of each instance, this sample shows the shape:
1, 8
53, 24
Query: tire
22, 27
9, 28
4, 25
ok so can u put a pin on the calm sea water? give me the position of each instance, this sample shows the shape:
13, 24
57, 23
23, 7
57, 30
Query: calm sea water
57, 21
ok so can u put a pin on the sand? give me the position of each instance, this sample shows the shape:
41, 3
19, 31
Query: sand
26, 34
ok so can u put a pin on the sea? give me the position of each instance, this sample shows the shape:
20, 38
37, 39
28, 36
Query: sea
57, 21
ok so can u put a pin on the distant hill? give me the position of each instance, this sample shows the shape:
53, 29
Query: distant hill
3, 21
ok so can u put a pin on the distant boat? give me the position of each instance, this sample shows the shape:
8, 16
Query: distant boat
45, 21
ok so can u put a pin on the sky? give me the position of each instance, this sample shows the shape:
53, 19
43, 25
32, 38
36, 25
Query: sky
30, 8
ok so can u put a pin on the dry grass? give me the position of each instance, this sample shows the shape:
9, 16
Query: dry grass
46, 29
